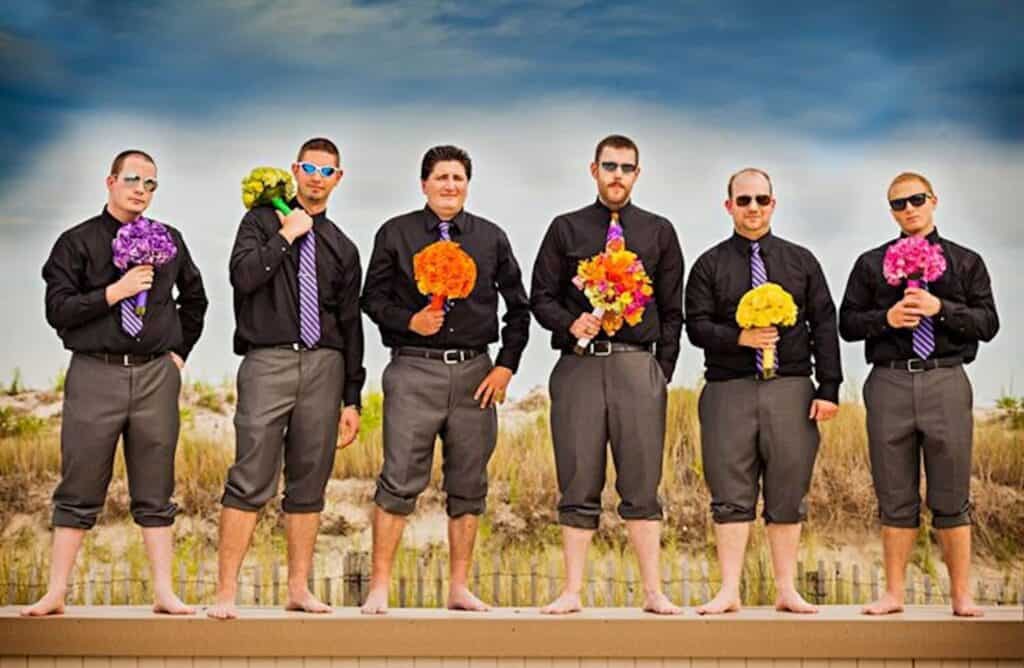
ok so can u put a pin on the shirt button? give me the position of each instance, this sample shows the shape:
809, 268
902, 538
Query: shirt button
451, 329
267, 268
284, 249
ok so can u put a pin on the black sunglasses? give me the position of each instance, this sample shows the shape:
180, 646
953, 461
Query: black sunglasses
609, 166
744, 200
917, 200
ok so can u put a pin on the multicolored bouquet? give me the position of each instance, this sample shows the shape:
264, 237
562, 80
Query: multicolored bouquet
268, 186
142, 241
617, 286
444, 271
767, 305
913, 259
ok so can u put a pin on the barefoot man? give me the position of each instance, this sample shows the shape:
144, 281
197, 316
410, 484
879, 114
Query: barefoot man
760, 429
440, 381
297, 324
124, 378
615, 391
918, 397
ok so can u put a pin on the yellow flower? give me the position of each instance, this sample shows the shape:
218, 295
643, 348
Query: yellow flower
766, 306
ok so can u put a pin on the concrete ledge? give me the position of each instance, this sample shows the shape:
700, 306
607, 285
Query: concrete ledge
838, 632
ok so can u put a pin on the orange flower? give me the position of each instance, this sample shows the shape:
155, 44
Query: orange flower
444, 271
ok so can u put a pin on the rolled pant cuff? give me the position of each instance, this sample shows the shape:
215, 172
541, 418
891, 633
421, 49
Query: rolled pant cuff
951, 521
732, 516
70, 520
232, 501
153, 522
901, 522
785, 519
579, 520
459, 507
395, 505
654, 515
295, 508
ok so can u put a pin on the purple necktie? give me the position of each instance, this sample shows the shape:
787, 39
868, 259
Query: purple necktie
131, 323
758, 277
309, 305
445, 230
924, 335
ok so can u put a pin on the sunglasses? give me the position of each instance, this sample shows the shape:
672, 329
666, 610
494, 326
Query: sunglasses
917, 200
609, 166
745, 200
327, 171
132, 179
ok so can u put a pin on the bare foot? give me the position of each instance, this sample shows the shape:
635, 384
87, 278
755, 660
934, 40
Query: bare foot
50, 604
563, 605
727, 600
965, 607
223, 610
886, 605
461, 598
376, 602
791, 601
659, 604
304, 601
169, 604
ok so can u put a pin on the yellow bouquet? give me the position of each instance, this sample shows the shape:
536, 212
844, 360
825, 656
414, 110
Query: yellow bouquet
767, 305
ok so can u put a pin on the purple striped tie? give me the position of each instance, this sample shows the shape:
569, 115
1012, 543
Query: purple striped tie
131, 323
309, 304
758, 277
924, 335
445, 230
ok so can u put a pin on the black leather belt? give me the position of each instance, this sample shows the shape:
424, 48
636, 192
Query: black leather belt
605, 348
917, 365
124, 359
293, 346
450, 356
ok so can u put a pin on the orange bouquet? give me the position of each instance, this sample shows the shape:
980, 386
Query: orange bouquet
444, 271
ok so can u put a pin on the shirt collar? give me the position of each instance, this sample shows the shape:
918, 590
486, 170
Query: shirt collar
742, 244
933, 236
623, 210
109, 222
458, 222
295, 204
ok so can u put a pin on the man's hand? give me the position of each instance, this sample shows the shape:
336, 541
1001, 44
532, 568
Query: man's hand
921, 302
822, 410
759, 337
295, 224
134, 281
348, 426
492, 390
587, 326
901, 316
427, 321
178, 362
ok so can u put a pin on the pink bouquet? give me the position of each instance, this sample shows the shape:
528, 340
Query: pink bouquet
913, 259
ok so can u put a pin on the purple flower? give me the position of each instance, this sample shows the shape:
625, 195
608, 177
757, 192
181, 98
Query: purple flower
143, 241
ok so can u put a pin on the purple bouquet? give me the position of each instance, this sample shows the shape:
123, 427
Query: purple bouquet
143, 241
913, 259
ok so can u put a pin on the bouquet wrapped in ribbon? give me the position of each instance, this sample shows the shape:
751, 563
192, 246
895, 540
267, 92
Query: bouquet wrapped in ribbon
444, 271
142, 241
767, 305
268, 186
913, 259
617, 287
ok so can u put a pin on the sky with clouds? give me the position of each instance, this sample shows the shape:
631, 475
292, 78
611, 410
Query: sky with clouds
832, 101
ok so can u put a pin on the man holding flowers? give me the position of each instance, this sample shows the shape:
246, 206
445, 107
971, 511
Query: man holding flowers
760, 308
432, 286
608, 283
921, 304
109, 295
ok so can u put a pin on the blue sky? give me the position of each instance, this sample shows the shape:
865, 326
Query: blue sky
833, 101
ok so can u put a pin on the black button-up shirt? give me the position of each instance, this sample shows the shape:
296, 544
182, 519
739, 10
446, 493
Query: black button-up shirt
718, 282
264, 272
391, 298
77, 273
968, 312
580, 235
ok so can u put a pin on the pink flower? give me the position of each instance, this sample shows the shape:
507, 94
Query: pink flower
913, 258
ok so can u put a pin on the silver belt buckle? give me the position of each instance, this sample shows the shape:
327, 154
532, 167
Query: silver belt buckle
915, 369
125, 359
601, 348
296, 347
454, 360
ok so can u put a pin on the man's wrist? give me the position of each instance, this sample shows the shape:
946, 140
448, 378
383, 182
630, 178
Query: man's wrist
113, 294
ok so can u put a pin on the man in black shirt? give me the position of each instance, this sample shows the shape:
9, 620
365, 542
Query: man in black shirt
296, 281
614, 390
440, 381
759, 413
123, 380
918, 397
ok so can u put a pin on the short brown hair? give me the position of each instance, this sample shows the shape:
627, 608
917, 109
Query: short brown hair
115, 167
910, 176
616, 141
443, 154
320, 144
749, 170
